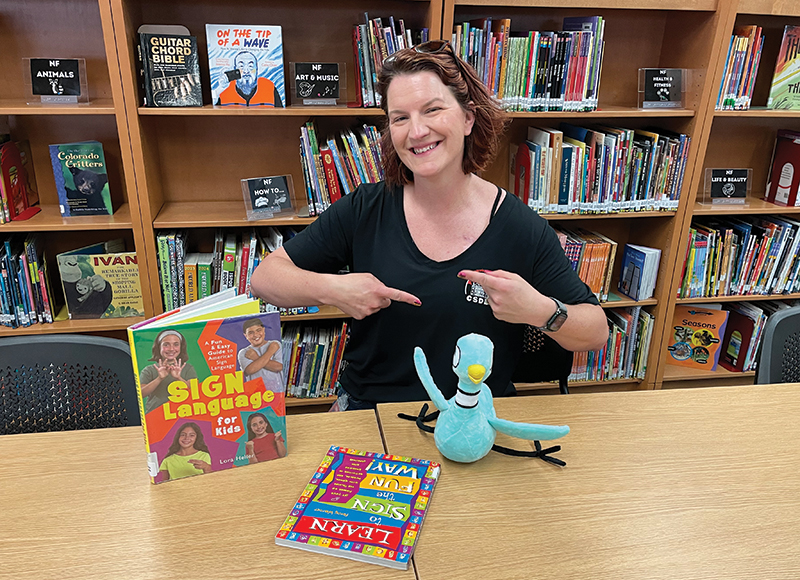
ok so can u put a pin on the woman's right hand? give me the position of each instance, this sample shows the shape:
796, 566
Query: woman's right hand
362, 294
162, 368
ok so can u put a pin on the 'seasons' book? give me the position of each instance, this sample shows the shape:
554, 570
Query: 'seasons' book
785, 90
101, 281
81, 178
211, 387
246, 65
362, 506
169, 67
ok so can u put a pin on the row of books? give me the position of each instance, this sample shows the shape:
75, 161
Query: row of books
372, 43
538, 71
189, 276
332, 169
625, 354
313, 358
741, 69
752, 255
601, 169
26, 295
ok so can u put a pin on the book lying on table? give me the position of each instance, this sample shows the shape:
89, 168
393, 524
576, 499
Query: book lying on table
363, 506
210, 383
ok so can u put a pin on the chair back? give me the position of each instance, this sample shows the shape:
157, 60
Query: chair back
779, 358
543, 360
65, 382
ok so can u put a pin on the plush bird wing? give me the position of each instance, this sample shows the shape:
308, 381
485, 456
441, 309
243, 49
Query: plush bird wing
528, 430
424, 372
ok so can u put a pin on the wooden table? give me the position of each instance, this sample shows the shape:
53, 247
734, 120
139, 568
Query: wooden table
677, 484
80, 505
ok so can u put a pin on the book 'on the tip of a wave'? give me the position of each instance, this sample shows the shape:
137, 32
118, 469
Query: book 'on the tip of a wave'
362, 506
210, 384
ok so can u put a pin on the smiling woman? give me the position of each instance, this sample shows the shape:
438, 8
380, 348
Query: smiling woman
434, 252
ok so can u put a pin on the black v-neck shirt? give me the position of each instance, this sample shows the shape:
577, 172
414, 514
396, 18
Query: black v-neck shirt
367, 231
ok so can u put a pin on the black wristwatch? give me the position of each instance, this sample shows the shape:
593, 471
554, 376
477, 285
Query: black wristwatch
558, 319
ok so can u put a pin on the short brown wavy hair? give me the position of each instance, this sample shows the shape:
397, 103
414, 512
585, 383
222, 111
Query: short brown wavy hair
481, 145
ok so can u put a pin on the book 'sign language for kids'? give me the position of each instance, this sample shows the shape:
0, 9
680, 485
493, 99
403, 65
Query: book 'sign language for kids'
211, 387
362, 506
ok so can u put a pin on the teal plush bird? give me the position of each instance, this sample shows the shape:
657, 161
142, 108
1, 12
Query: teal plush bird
467, 424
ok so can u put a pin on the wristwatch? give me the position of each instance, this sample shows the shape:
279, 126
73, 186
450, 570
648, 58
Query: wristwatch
559, 317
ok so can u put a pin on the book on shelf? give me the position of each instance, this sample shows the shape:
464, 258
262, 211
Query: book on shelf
741, 68
639, 271
17, 199
209, 380
784, 173
742, 334
81, 178
783, 93
591, 255
314, 357
696, 335
536, 71
363, 506
101, 281
246, 65
26, 295
169, 67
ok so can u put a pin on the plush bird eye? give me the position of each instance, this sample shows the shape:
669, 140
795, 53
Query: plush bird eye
456, 357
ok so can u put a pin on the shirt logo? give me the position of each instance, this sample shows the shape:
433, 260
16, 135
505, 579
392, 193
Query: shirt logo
475, 293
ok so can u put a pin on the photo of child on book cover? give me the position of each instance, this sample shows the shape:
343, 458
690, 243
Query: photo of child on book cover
211, 394
246, 65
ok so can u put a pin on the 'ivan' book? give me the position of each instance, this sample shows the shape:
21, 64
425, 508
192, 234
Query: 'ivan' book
362, 506
81, 178
210, 383
169, 67
101, 281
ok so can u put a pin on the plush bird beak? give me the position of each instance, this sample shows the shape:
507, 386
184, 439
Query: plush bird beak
476, 373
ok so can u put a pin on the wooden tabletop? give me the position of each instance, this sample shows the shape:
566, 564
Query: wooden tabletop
80, 505
675, 484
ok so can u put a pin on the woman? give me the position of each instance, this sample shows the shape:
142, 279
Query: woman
188, 454
435, 252
170, 356
263, 443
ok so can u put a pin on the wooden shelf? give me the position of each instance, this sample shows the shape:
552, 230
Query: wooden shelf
738, 298
769, 7
239, 111
20, 107
325, 312
695, 5
297, 402
616, 301
204, 214
617, 215
754, 205
50, 219
68, 326
540, 386
760, 113
605, 112
677, 373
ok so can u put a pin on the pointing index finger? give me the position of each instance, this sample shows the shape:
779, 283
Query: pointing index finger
402, 296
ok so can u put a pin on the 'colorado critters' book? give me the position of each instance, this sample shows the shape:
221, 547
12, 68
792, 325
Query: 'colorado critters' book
211, 389
363, 506
81, 178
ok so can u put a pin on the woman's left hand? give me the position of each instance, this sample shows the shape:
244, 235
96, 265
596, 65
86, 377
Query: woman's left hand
200, 464
511, 298
175, 370
279, 437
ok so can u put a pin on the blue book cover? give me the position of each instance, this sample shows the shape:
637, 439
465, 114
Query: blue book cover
632, 271
246, 65
81, 178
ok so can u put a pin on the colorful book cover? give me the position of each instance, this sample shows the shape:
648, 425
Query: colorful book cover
363, 506
785, 90
784, 175
246, 65
81, 178
101, 281
211, 390
696, 337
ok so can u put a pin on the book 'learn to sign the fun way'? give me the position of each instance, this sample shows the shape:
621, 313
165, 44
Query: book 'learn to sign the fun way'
210, 382
362, 506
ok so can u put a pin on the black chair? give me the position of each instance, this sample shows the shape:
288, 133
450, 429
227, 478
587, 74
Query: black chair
543, 360
65, 382
779, 358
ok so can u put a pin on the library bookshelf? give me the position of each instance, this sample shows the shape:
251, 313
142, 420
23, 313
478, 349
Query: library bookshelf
736, 139
181, 167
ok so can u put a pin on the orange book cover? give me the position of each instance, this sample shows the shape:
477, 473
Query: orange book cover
695, 337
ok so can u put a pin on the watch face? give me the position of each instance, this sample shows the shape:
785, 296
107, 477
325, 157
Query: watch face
558, 321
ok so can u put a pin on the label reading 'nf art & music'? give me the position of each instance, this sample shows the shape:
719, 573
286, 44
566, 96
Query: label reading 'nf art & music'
317, 83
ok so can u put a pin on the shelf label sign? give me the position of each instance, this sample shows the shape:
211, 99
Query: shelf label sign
728, 186
57, 80
266, 196
662, 88
317, 82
